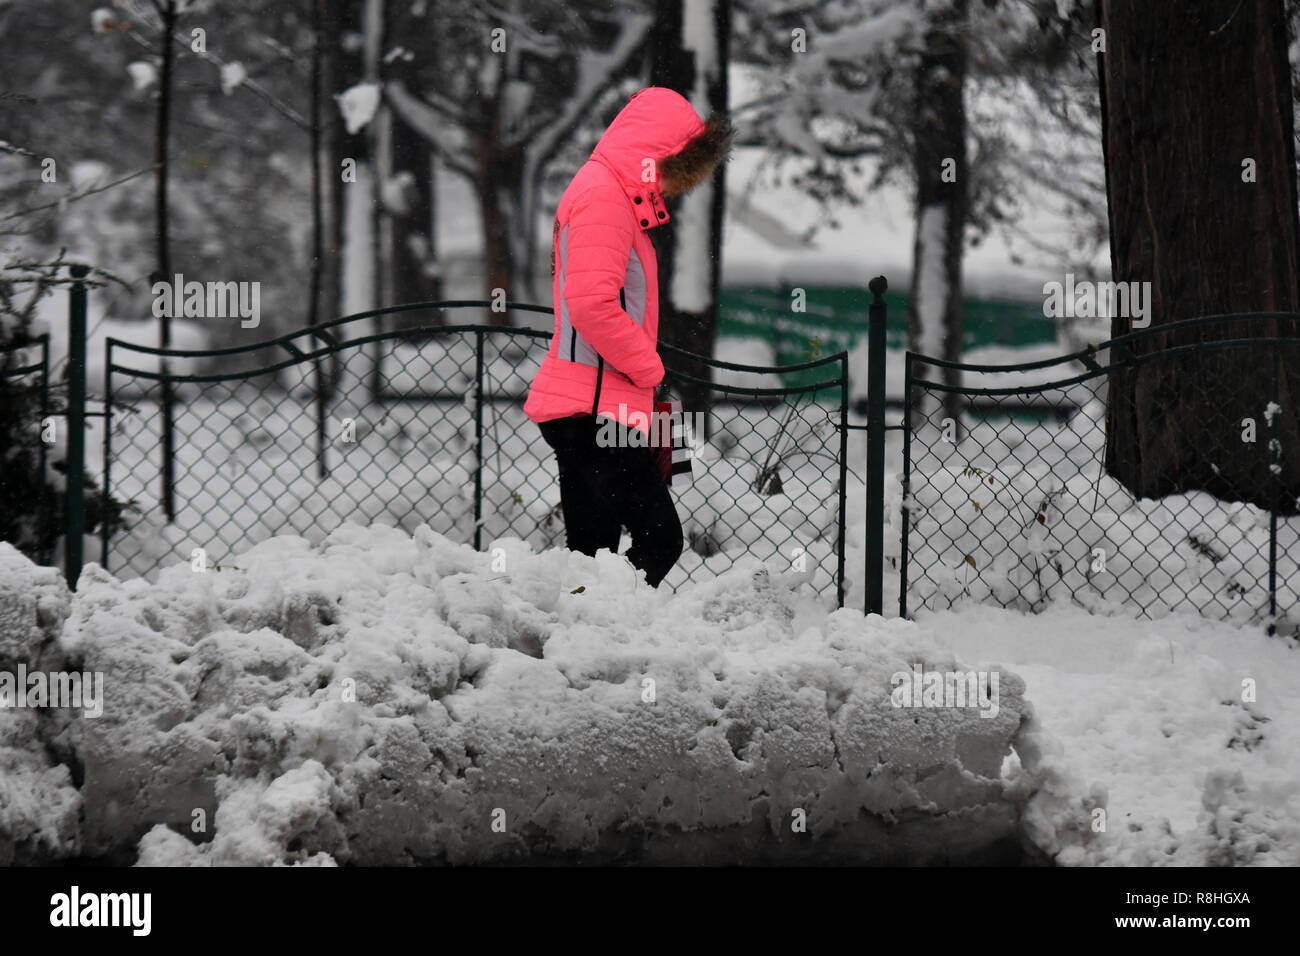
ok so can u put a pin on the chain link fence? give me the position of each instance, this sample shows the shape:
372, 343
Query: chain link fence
1160, 472
425, 426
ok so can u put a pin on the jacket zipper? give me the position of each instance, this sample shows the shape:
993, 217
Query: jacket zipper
600, 360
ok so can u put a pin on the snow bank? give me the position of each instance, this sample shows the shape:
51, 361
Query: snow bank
39, 805
1187, 730
390, 698
381, 697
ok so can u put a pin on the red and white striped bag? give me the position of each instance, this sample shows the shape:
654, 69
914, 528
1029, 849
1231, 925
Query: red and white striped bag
674, 458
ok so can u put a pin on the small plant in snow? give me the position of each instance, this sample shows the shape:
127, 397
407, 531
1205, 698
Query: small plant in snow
1007, 540
786, 443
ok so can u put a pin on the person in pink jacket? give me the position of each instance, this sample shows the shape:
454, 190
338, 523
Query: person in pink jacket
603, 362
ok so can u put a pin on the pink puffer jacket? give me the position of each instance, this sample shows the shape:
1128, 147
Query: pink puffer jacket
603, 359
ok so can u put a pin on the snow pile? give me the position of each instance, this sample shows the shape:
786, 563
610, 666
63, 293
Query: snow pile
385, 698
39, 806
1187, 730
381, 697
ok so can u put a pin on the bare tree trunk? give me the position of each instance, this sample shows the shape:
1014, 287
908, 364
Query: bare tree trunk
167, 10
1200, 169
325, 293
935, 318
317, 213
413, 236
331, 248
495, 179
380, 166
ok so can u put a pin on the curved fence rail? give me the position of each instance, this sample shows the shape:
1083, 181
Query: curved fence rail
1172, 483
349, 421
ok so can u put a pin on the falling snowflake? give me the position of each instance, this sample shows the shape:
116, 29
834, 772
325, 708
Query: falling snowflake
358, 105
142, 74
232, 75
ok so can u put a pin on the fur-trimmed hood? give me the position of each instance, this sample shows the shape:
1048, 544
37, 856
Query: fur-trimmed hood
682, 171
658, 145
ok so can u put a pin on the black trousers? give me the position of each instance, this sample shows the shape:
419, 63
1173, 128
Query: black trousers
605, 489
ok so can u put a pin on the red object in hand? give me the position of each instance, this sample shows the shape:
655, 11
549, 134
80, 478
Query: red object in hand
673, 457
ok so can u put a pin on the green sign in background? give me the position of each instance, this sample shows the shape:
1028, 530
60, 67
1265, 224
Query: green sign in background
835, 317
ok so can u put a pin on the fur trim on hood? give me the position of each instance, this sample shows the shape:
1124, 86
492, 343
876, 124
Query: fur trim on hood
685, 169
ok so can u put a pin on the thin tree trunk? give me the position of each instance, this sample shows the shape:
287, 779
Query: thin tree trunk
377, 142
331, 249
325, 293
1196, 95
935, 318
317, 226
167, 9
413, 226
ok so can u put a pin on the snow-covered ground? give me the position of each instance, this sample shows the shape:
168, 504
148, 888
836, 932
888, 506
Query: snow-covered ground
1191, 727
390, 698
385, 697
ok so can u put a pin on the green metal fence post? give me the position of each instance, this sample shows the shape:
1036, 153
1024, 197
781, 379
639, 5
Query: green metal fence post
478, 441
844, 479
168, 402
105, 528
1274, 468
874, 585
322, 470
45, 520
76, 488
905, 514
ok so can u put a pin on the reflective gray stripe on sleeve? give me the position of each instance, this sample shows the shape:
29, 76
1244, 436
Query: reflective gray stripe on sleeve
632, 297
634, 286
